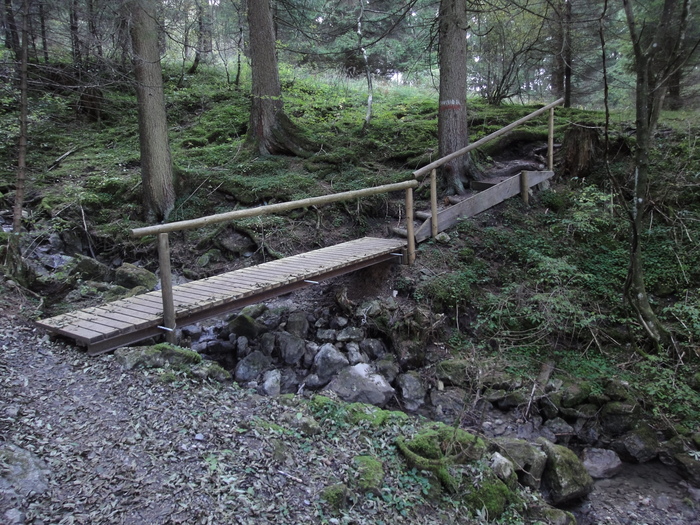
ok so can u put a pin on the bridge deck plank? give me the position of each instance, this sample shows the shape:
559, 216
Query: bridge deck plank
103, 328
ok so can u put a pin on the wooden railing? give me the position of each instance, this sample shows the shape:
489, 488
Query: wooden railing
163, 243
162, 230
432, 167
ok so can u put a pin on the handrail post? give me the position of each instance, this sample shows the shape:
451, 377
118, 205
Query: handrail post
550, 141
524, 188
433, 203
166, 286
410, 234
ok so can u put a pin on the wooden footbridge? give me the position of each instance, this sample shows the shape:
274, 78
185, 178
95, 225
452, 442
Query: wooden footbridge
122, 322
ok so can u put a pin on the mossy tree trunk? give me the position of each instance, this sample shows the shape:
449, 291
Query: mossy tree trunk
156, 161
270, 130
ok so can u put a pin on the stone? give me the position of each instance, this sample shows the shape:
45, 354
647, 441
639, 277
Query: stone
529, 460
601, 463
242, 347
298, 324
618, 417
92, 269
456, 372
573, 394
289, 381
326, 335
156, 356
23, 472
254, 310
448, 404
235, 242
360, 384
369, 474
689, 468
501, 380
355, 355
562, 431
565, 477
252, 366
130, 276
327, 362
388, 367
350, 333
271, 383
504, 469
639, 444
443, 238
291, 348
246, 325
412, 391
374, 348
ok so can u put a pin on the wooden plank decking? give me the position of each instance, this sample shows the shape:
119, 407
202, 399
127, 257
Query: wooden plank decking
103, 328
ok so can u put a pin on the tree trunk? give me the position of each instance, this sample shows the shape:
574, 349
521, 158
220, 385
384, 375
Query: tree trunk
203, 36
270, 130
11, 33
23, 122
156, 163
44, 40
452, 113
674, 100
75, 34
656, 52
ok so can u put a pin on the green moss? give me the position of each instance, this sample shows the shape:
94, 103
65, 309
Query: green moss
357, 412
336, 496
440, 446
176, 355
369, 474
167, 377
491, 494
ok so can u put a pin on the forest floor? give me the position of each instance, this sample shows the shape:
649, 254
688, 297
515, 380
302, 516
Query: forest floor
122, 447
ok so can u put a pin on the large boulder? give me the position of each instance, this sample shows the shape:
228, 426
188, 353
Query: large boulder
529, 460
639, 444
130, 276
601, 463
565, 477
291, 348
246, 325
327, 362
412, 390
298, 324
252, 366
361, 384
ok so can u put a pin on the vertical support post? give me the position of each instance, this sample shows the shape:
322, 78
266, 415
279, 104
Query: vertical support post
524, 188
410, 234
433, 204
166, 286
550, 141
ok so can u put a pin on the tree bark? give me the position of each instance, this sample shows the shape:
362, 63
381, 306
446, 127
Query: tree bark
452, 112
656, 52
203, 36
11, 32
270, 130
156, 162
23, 124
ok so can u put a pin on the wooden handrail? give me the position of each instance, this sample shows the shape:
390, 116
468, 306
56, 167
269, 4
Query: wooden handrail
270, 209
437, 163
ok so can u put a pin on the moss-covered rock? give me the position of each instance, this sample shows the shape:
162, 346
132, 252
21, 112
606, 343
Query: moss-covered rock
492, 495
369, 474
564, 475
439, 446
456, 372
335, 496
575, 393
130, 276
529, 460
157, 356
